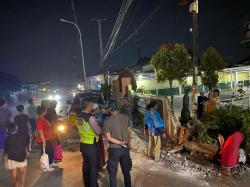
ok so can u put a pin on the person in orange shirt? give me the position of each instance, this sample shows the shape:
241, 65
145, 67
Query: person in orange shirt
216, 97
211, 104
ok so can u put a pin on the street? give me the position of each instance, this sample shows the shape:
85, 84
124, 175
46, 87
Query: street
151, 60
145, 172
69, 173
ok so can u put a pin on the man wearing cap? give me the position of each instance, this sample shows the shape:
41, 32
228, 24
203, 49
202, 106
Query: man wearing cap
89, 131
97, 113
117, 131
5, 119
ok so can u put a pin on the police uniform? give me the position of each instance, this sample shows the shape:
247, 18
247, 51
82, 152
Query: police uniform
89, 149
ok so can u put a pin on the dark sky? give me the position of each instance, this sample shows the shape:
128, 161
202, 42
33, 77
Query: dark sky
36, 46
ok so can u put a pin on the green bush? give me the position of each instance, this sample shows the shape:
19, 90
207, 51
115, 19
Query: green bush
106, 91
137, 115
226, 120
246, 129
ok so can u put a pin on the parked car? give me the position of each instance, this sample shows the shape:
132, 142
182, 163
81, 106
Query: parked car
75, 105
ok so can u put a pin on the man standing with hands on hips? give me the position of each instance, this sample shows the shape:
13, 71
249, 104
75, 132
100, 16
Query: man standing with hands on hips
117, 130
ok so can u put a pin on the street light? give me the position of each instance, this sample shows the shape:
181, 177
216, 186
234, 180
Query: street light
80, 35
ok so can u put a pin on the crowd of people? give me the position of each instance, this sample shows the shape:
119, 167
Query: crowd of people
15, 141
207, 104
18, 132
93, 125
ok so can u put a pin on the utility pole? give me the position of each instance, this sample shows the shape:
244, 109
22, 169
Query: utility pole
193, 8
99, 24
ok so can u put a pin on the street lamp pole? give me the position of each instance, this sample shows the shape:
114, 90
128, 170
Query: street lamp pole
80, 37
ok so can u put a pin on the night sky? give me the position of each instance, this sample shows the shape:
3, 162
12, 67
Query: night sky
36, 46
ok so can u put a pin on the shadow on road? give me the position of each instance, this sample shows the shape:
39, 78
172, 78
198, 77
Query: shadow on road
53, 178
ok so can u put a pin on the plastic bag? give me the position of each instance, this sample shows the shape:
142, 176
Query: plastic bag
242, 156
58, 152
44, 160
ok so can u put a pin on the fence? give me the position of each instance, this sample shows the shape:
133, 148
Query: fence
165, 109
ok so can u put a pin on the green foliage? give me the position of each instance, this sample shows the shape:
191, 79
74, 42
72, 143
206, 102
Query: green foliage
106, 90
211, 63
137, 115
171, 63
246, 129
226, 120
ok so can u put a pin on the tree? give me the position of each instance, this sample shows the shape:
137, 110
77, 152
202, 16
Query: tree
211, 63
106, 90
172, 62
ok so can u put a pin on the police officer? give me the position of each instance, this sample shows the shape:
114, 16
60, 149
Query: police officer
117, 131
89, 131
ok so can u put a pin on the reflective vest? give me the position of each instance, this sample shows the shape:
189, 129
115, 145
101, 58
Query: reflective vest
87, 134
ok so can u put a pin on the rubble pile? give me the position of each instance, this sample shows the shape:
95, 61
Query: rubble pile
185, 164
181, 164
138, 142
176, 162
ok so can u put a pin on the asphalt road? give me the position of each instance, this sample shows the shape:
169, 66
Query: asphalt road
145, 173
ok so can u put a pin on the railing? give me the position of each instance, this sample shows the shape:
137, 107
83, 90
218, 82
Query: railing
172, 123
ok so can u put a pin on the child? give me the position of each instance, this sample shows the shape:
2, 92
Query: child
15, 149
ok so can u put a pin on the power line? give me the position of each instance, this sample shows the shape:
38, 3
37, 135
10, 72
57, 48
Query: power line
116, 23
139, 27
73, 8
131, 20
113, 37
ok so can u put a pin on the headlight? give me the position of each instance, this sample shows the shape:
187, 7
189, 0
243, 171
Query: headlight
61, 128
57, 97
50, 97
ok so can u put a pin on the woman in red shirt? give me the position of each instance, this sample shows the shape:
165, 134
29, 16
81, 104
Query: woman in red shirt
44, 137
230, 152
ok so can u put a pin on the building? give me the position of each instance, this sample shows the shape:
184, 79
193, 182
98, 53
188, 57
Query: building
229, 79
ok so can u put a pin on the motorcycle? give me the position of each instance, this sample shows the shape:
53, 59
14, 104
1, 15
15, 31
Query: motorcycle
61, 129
